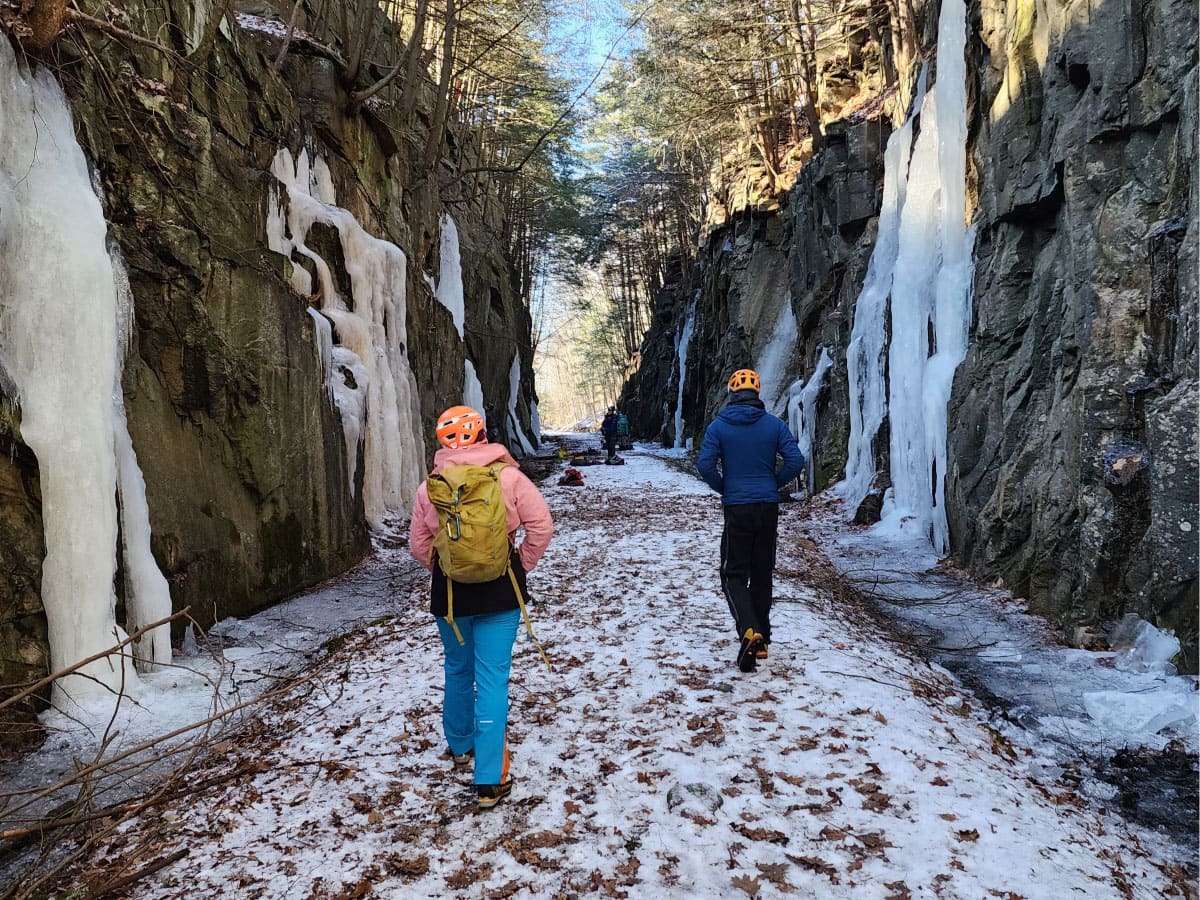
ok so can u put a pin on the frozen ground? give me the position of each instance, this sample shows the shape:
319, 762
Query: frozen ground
1063, 705
646, 764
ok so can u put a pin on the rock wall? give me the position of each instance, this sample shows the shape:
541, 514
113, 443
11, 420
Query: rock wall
1074, 436
1073, 420
243, 454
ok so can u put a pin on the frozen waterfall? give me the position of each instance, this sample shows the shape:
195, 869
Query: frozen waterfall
865, 360
61, 343
802, 416
514, 394
931, 287
772, 365
379, 401
922, 261
449, 291
472, 389
682, 341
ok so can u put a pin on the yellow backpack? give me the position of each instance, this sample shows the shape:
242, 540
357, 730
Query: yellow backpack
472, 541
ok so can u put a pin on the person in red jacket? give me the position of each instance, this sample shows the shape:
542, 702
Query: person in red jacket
475, 706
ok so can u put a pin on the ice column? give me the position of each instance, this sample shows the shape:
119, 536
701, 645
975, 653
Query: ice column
535, 423
804, 426
473, 390
514, 393
931, 287
865, 359
147, 595
775, 356
59, 342
379, 398
681, 353
449, 291
952, 286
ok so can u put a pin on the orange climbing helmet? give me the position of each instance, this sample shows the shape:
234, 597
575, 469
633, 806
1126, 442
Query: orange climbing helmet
460, 426
745, 380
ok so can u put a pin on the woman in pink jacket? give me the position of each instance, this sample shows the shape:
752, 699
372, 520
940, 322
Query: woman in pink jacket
475, 708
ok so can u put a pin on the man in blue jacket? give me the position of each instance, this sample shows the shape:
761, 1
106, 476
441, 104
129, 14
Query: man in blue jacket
745, 440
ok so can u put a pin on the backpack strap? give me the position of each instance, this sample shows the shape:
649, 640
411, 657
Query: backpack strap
512, 576
450, 609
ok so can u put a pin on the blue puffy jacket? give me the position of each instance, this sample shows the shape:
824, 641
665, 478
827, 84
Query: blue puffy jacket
746, 439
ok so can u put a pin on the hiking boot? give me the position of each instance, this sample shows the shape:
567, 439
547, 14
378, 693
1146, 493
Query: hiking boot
491, 794
751, 644
762, 651
461, 759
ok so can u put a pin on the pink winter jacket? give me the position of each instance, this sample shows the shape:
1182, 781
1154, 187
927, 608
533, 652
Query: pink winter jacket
523, 503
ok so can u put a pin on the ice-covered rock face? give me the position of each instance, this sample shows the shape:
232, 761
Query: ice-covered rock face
372, 380
61, 344
1086, 298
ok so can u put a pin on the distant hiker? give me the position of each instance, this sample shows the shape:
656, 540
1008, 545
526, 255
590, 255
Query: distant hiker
608, 428
744, 440
623, 432
478, 589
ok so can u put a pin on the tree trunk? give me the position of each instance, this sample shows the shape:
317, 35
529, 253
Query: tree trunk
438, 125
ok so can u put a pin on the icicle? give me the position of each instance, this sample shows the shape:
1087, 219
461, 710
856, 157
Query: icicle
682, 341
147, 595
324, 335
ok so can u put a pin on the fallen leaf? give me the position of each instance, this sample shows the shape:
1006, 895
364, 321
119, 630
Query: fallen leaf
776, 873
814, 864
969, 835
750, 885
761, 834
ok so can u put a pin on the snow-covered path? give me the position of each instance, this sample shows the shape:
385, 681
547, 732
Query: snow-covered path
646, 764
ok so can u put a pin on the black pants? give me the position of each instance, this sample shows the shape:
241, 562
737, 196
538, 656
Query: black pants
748, 564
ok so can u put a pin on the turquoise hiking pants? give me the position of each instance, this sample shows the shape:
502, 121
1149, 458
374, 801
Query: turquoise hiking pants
475, 708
